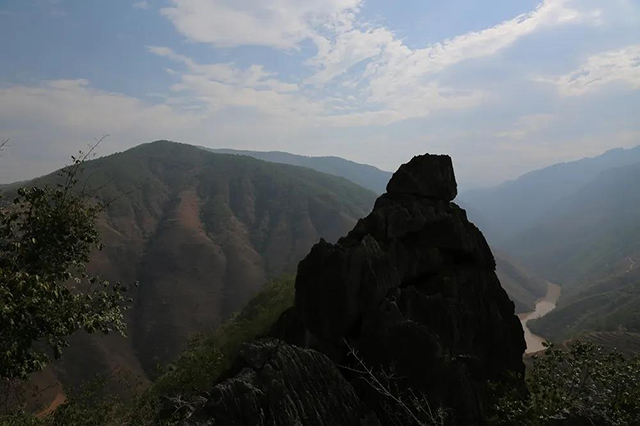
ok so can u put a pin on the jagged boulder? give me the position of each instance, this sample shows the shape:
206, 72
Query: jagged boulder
276, 384
426, 176
413, 286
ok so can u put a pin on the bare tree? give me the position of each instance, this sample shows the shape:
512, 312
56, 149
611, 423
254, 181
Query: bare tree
3, 144
403, 408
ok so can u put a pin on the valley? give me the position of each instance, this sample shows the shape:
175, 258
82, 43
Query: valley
543, 306
574, 223
204, 231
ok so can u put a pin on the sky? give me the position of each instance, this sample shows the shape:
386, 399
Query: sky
503, 86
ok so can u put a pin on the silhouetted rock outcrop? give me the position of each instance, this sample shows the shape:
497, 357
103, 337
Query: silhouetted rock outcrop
425, 176
412, 288
280, 384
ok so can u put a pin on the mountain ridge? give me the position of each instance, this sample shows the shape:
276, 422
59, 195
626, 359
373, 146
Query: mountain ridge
511, 207
365, 175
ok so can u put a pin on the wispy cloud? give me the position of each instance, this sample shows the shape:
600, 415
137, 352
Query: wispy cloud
49, 120
223, 85
144, 5
283, 24
526, 126
619, 65
396, 82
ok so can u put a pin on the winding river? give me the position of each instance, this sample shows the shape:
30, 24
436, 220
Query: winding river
543, 307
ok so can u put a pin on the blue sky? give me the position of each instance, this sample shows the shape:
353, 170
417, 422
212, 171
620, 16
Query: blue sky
503, 86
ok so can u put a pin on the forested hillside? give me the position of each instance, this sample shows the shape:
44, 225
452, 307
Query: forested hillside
201, 232
362, 174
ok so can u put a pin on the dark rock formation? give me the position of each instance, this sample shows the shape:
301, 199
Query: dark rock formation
412, 288
425, 176
276, 384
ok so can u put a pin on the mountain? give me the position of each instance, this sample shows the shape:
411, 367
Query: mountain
592, 234
590, 244
576, 224
362, 174
201, 232
512, 207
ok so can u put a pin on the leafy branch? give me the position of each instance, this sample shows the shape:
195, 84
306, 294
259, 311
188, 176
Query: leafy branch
47, 236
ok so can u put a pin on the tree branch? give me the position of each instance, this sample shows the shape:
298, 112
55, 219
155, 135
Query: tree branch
3, 144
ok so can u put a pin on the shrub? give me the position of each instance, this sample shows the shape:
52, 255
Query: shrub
583, 384
46, 238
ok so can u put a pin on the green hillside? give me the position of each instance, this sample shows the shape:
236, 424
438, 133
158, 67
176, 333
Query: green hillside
362, 174
591, 244
609, 305
202, 233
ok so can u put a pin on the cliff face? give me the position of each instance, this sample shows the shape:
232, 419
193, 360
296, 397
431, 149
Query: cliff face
412, 288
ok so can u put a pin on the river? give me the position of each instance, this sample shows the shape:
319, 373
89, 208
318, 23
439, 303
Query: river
543, 307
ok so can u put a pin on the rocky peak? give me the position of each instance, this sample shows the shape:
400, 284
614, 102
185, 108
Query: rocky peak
413, 286
425, 176
411, 289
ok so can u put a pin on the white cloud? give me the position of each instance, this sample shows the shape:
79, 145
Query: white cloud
219, 86
76, 105
400, 69
281, 24
215, 87
403, 82
144, 5
252, 77
49, 121
396, 83
348, 49
619, 65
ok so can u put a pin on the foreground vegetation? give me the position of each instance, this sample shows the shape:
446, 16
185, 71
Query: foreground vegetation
583, 384
580, 384
192, 374
46, 237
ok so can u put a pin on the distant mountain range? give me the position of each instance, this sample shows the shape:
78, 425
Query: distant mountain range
362, 174
588, 235
576, 224
512, 207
